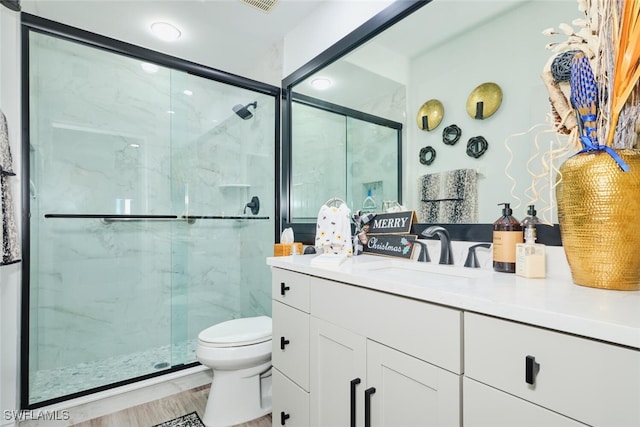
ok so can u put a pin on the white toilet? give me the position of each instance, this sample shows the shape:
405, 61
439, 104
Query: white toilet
239, 352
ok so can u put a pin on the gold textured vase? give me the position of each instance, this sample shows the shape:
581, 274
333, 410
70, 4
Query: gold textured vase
598, 212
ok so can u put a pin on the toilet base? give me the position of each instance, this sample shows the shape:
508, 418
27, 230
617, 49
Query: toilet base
237, 397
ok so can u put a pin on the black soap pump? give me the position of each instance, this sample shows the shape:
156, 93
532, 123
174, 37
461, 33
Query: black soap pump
531, 218
507, 233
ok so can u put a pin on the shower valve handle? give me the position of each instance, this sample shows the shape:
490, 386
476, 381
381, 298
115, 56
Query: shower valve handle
283, 418
283, 343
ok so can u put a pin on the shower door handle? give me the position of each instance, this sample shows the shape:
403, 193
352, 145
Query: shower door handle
283, 343
283, 288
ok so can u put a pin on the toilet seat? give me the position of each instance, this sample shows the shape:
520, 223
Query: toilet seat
237, 332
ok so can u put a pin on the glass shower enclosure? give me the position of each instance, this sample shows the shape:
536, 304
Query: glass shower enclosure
344, 153
151, 210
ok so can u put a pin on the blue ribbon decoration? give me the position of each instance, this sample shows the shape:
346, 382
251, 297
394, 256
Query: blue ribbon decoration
590, 147
584, 94
588, 130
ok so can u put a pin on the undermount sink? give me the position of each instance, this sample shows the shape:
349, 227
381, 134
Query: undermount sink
399, 268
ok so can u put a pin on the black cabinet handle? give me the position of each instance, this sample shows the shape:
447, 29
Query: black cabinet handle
354, 383
283, 288
283, 342
283, 418
531, 368
367, 405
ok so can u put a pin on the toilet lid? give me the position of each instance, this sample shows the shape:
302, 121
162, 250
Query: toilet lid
237, 332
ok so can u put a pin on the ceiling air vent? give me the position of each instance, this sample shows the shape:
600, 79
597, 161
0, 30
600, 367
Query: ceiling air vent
263, 5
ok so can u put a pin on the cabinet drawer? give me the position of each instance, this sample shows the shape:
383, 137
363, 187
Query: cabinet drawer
590, 381
290, 288
290, 402
485, 406
429, 332
290, 353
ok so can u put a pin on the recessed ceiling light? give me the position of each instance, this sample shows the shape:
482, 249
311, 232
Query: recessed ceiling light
187, 92
165, 31
321, 83
149, 68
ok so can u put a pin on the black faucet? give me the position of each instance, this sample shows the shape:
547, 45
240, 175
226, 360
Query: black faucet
472, 259
423, 256
446, 253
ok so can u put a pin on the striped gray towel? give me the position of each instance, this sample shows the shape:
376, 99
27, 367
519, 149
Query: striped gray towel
449, 197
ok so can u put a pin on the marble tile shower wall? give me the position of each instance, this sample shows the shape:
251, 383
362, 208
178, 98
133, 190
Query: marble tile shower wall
319, 140
368, 151
100, 146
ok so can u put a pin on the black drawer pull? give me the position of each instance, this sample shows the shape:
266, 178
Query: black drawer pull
283, 418
531, 368
283, 342
354, 383
283, 288
367, 405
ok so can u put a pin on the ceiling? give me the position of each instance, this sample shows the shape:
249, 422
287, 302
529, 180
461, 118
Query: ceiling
232, 36
383, 62
225, 34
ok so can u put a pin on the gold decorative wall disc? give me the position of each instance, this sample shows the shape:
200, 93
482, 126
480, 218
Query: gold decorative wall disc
484, 100
430, 115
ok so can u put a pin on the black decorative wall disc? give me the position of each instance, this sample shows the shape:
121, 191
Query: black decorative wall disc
427, 155
477, 146
451, 134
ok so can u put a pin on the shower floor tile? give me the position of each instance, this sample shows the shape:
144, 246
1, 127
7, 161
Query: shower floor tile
55, 383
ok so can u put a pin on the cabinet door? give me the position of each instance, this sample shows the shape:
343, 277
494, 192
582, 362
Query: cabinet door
337, 357
290, 402
290, 353
410, 392
486, 406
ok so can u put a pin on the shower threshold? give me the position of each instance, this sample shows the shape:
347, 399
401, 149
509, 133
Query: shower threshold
59, 382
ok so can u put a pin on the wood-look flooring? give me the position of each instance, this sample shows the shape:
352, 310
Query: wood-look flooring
168, 408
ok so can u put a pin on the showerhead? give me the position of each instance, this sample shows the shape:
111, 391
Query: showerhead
243, 111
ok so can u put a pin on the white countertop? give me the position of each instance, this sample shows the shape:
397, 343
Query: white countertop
554, 303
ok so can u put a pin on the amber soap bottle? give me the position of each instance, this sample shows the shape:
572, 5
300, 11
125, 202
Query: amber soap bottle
507, 233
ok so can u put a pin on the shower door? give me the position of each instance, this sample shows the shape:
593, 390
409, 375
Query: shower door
139, 236
344, 153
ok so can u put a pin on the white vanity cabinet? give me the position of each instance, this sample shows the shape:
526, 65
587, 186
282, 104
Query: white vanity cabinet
290, 354
394, 350
378, 359
517, 374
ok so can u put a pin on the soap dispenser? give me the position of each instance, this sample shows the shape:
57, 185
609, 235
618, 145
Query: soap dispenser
507, 233
530, 256
531, 217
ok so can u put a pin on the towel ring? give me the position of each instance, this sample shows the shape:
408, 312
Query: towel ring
427, 155
335, 201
